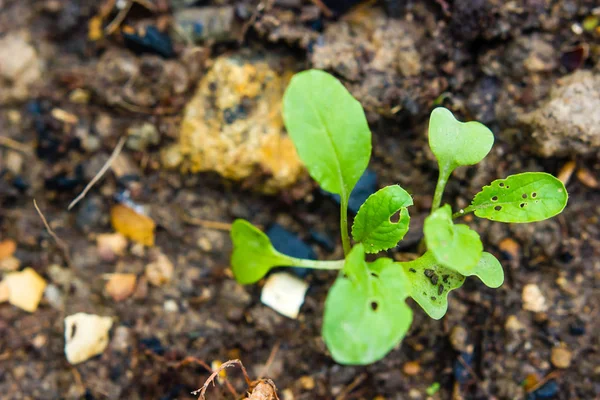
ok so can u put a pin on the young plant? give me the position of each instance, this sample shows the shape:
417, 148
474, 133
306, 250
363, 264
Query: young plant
366, 314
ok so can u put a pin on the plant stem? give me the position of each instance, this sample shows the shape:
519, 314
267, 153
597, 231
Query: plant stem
344, 222
445, 172
465, 211
315, 264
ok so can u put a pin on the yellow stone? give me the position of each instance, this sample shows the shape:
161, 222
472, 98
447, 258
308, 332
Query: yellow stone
233, 125
25, 289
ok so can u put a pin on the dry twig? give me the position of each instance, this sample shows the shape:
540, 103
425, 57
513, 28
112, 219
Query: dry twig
104, 168
59, 242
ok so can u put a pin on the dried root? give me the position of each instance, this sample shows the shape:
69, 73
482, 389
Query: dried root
261, 389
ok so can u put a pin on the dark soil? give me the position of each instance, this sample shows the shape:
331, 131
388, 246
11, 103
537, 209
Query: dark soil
486, 60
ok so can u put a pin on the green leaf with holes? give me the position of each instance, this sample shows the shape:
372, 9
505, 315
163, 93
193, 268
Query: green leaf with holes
363, 322
430, 284
253, 254
489, 270
454, 246
372, 225
526, 197
456, 143
329, 129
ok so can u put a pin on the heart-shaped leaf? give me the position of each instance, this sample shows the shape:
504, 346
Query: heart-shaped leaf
456, 143
455, 246
372, 225
489, 270
329, 129
526, 197
253, 255
362, 323
430, 284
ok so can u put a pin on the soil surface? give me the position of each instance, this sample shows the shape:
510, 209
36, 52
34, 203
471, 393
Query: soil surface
76, 76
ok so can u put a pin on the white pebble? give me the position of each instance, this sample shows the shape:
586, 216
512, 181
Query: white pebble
86, 335
284, 293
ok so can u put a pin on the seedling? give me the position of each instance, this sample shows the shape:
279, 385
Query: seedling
366, 314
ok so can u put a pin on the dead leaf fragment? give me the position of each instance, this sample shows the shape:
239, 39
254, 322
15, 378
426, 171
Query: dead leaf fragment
7, 248
25, 289
120, 286
86, 335
132, 225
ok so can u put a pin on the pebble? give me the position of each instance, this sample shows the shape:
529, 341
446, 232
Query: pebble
111, 245
533, 299
142, 136
14, 162
411, 368
284, 293
307, 382
54, 297
20, 67
160, 271
10, 264
561, 357
459, 339
25, 289
86, 335
513, 324
7, 248
122, 339
171, 306
135, 226
204, 23
120, 286
90, 213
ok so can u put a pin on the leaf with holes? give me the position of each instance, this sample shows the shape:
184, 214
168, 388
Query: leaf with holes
456, 143
363, 322
430, 284
373, 226
329, 129
253, 255
526, 197
454, 246
489, 270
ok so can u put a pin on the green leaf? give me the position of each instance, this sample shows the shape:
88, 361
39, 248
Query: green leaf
430, 284
329, 129
253, 255
489, 270
455, 246
372, 225
363, 322
456, 143
526, 197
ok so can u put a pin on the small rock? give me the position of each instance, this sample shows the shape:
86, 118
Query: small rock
171, 306
233, 124
284, 293
568, 123
121, 340
39, 341
54, 297
307, 382
14, 162
10, 264
533, 299
120, 286
140, 137
411, 368
204, 23
111, 245
587, 178
25, 289
459, 339
20, 67
561, 357
132, 225
86, 335
7, 248
513, 324
160, 271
